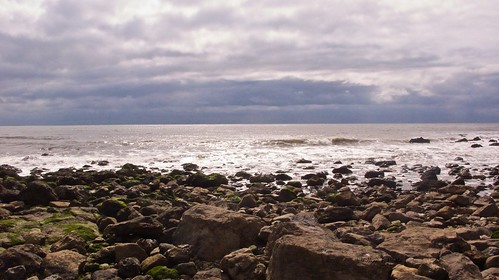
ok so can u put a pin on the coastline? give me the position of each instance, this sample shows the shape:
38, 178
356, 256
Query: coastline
135, 221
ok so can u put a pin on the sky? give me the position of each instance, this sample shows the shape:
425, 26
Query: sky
248, 61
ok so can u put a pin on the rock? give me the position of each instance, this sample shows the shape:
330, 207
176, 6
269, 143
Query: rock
15, 273
460, 267
345, 170
129, 250
262, 178
476, 146
402, 272
283, 177
248, 201
8, 195
385, 163
29, 256
176, 255
318, 257
65, 263
206, 181
345, 197
190, 167
163, 272
37, 193
489, 210
71, 241
105, 274
380, 222
315, 181
433, 271
214, 232
188, 268
153, 261
426, 185
111, 207
334, 214
145, 227
286, 194
243, 264
128, 267
210, 274
419, 140
430, 174
492, 261
374, 174
416, 242
382, 182
491, 273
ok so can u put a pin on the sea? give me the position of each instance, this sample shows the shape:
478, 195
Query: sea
271, 148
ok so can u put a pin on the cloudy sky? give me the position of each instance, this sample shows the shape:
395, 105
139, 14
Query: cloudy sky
248, 61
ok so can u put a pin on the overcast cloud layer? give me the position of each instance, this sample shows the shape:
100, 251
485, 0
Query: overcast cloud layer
188, 61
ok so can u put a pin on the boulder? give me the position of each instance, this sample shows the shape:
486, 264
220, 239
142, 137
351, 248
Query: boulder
334, 214
214, 232
489, 210
417, 242
65, 263
380, 222
491, 273
128, 267
460, 267
129, 250
206, 181
153, 261
37, 193
29, 256
419, 140
345, 170
243, 264
71, 241
319, 257
402, 272
146, 227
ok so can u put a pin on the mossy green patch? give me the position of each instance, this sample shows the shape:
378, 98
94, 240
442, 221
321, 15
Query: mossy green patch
82, 230
163, 272
59, 217
14, 239
7, 224
495, 234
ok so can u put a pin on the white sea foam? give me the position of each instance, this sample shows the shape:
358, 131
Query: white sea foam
255, 148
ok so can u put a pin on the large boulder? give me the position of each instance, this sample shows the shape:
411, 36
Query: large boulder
243, 264
319, 257
29, 256
418, 242
38, 193
460, 267
214, 232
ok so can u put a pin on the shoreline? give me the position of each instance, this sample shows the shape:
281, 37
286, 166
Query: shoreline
133, 222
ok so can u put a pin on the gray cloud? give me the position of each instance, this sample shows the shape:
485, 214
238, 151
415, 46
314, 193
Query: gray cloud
272, 61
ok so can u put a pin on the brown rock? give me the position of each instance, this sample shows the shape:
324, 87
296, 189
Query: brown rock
380, 222
402, 272
65, 263
214, 232
127, 250
152, 261
243, 264
489, 210
460, 267
319, 257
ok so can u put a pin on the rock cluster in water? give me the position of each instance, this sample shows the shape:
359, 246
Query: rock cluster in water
135, 223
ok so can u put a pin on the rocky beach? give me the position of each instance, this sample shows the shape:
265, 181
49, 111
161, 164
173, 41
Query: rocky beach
140, 223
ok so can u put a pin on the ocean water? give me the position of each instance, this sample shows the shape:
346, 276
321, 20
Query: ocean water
254, 148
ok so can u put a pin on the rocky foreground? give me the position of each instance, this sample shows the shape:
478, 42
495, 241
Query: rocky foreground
135, 223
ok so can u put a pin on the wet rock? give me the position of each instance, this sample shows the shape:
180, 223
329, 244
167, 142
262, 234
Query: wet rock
65, 263
492, 261
262, 178
382, 182
206, 181
460, 267
213, 232
286, 194
345, 197
190, 167
243, 264
419, 140
188, 268
345, 170
37, 193
385, 163
476, 146
177, 255
15, 273
283, 177
374, 174
8, 195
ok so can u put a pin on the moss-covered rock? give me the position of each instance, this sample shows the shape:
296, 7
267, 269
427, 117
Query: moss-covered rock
163, 272
206, 181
